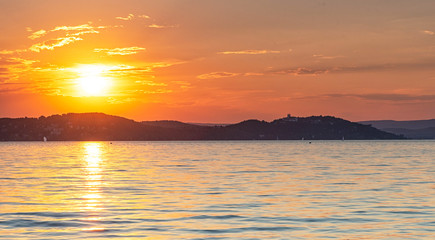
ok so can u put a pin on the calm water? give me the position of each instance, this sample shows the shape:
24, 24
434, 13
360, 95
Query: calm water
218, 190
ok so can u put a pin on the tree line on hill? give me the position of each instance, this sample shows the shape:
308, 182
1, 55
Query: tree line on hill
102, 127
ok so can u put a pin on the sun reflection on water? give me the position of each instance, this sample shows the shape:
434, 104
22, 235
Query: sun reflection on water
92, 197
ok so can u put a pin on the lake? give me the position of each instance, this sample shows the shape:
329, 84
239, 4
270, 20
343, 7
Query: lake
218, 190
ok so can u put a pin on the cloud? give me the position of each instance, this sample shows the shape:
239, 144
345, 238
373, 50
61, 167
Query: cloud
72, 35
129, 17
16, 60
144, 16
83, 33
250, 52
10, 52
301, 71
120, 51
75, 28
13, 68
320, 56
295, 72
81, 29
7, 52
159, 26
132, 16
11, 90
428, 63
145, 68
253, 74
395, 97
166, 64
124, 68
4, 72
38, 34
15, 64
150, 83
11, 87
215, 75
428, 32
306, 71
52, 44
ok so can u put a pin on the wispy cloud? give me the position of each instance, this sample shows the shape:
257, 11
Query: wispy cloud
150, 83
52, 44
323, 57
309, 71
7, 52
132, 16
5, 88
428, 32
214, 75
160, 26
428, 63
144, 68
166, 64
129, 17
72, 35
10, 52
250, 52
395, 97
79, 29
4, 72
253, 74
11, 69
301, 71
92, 31
120, 51
144, 16
38, 34
17, 60
125, 68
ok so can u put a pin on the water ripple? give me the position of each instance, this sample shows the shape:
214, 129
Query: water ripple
217, 190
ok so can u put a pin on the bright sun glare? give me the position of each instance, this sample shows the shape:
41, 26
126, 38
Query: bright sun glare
92, 81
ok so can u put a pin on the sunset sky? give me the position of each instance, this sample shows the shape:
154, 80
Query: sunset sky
218, 61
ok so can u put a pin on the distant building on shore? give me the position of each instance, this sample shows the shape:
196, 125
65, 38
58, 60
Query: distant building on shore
289, 118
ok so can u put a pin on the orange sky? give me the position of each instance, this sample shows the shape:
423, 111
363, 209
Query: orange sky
218, 61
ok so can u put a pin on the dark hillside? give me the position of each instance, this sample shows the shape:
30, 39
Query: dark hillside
99, 126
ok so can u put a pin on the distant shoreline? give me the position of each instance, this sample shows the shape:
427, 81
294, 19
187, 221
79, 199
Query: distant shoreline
102, 127
294, 140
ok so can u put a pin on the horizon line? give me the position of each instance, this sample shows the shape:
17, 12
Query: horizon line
214, 123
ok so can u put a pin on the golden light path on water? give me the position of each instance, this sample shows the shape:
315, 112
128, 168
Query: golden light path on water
92, 196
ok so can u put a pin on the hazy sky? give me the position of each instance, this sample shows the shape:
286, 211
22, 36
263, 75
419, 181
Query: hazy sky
218, 61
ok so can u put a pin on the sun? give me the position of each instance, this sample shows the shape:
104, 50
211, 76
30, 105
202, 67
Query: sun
93, 80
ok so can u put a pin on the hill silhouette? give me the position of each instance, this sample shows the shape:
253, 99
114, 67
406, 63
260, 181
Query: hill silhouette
417, 129
102, 127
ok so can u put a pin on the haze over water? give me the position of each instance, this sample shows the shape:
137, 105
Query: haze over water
218, 190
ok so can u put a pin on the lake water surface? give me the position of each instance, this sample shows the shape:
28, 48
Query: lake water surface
218, 190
